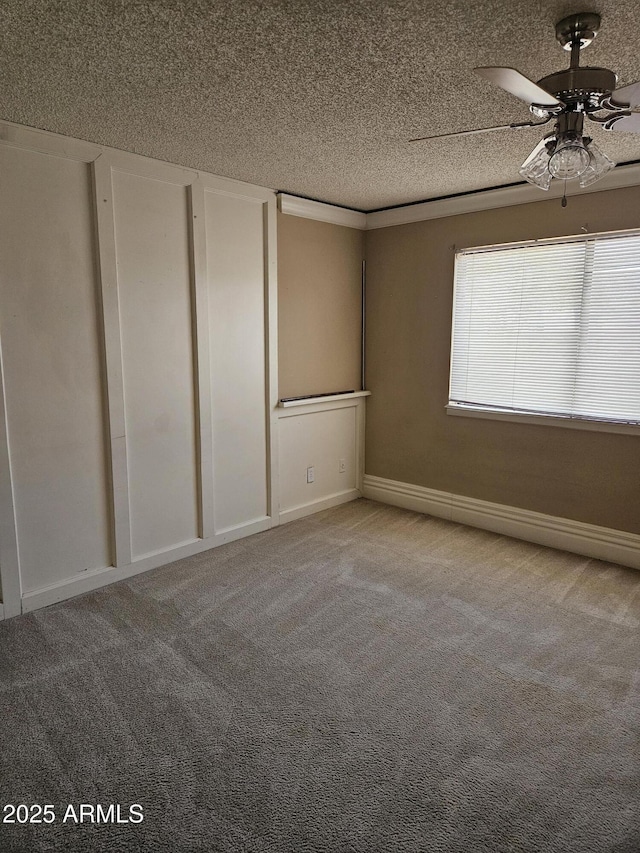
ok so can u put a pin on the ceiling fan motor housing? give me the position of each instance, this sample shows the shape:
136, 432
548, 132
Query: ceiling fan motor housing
580, 85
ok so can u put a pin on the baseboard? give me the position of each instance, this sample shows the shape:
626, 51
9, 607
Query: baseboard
602, 543
316, 506
90, 581
1, 611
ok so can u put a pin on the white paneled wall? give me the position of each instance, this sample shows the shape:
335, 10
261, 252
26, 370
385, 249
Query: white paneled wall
137, 413
51, 352
327, 436
154, 289
235, 263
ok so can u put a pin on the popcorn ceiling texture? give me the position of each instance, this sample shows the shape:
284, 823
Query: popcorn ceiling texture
312, 97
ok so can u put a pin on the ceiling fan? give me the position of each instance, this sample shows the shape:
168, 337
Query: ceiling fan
568, 97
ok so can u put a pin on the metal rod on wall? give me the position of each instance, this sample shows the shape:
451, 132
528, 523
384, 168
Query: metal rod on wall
364, 296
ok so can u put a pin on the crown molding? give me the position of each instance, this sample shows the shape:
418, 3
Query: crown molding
621, 176
318, 210
12, 134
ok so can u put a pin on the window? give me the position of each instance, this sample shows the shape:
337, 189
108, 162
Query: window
549, 328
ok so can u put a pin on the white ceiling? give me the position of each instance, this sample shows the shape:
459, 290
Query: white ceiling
311, 97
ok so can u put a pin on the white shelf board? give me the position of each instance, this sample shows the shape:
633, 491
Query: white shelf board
329, 398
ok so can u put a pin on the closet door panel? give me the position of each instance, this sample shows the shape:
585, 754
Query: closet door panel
53, 367
152, 234
236, 296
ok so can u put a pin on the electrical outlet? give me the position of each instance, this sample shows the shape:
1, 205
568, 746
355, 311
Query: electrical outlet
311, 474
342, 465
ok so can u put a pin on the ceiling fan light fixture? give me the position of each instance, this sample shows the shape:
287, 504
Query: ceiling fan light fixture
568, 97
598, 167
535, 168
570, 159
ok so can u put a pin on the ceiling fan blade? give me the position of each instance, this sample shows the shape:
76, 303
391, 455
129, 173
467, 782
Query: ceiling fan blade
514, 126
628, 96
626, 124
517, 84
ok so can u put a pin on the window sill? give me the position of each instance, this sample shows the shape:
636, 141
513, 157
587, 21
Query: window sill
543, 420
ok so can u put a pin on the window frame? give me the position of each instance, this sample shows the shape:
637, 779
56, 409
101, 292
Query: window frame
469, 410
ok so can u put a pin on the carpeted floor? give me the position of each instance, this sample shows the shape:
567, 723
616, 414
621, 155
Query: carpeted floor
367, 680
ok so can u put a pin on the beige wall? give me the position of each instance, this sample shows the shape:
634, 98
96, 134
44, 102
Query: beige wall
319, 299
587, 476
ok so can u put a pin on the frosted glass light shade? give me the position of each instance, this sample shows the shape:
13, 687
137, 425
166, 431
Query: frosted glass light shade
535, 168
569, 160
599, 165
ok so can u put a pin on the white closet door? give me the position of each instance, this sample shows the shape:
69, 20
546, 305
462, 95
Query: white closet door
236, 291
154, 288
52, 367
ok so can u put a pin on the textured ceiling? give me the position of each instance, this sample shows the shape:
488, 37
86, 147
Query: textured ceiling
312, 97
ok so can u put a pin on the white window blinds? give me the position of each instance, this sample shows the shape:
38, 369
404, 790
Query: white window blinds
549, 328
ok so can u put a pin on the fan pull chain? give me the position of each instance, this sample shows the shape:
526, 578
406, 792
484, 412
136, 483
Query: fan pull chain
564, 194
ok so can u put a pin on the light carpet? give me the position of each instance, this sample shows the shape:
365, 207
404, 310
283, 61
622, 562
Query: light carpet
367, 679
